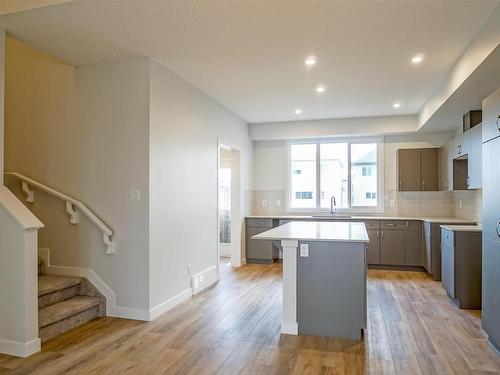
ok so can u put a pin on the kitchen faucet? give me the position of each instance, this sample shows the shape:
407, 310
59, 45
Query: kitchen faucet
333, 203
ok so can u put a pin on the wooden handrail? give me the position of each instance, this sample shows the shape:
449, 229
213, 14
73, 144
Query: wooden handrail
73, 207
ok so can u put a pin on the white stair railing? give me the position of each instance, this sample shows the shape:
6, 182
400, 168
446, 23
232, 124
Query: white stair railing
73, 207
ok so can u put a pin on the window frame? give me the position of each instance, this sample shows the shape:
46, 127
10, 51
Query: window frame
350, 141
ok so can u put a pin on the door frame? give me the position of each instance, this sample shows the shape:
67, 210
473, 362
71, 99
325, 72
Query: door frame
236, 214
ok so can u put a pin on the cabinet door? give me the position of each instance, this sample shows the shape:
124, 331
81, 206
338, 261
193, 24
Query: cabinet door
427, 248
373, 248
491, 190
491, 116
474, 166
392, 244
409, 169
413, 243
429, 161
258, 249
448, 264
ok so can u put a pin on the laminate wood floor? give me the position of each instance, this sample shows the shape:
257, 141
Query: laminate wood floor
234, 328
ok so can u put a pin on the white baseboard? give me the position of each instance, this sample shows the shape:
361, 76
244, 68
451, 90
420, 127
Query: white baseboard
163, 307
244, 261
20, 349
289, 328
204, 279
111, 308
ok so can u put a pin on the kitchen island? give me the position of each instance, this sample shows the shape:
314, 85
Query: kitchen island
324, 277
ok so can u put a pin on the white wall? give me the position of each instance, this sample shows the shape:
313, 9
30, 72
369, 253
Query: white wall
333, 127
486, 40
185, 127
84, 131
270, 159
18, 277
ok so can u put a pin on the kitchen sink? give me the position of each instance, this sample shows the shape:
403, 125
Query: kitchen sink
336, 217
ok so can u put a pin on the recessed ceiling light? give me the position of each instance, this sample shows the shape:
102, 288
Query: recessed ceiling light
310, 61
396, 105
417, 59
298, 111
320, 89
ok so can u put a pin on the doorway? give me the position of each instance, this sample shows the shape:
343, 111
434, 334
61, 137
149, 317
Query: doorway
229, 207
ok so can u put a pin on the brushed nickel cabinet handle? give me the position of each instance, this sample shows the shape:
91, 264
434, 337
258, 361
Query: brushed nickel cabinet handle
423, 185
407, 225
498, 123
390, 224
378, 234
467, 181
498, 228
382, 234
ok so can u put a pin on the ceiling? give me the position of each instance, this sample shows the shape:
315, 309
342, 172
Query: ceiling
249, 55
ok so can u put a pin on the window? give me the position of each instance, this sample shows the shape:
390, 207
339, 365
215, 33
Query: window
304, 195
347, 170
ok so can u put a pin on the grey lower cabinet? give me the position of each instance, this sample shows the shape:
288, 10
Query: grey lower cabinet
431, 255
413, 243
259, 251
461, 254
394, 243
373, 248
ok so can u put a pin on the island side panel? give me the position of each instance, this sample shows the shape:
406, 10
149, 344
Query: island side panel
331, 290
289, 323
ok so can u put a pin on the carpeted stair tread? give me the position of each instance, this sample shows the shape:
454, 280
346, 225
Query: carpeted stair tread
65, 309
51, 283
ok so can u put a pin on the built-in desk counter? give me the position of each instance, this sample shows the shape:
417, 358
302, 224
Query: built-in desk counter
324, 277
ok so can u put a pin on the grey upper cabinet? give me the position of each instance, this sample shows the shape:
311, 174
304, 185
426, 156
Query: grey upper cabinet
429, 170
474, 159
491, 116
409, 169
392, 244
413, 243
418, 169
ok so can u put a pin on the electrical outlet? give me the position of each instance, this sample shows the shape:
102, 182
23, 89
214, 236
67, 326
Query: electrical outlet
264, 203
392, 203
278, 203
304, 250
134, 195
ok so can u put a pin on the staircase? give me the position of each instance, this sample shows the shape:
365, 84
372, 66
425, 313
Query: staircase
65, 303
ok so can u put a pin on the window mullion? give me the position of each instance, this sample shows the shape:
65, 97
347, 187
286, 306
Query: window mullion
318, 176
349, 189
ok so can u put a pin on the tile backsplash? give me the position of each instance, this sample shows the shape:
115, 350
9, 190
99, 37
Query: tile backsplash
462, 204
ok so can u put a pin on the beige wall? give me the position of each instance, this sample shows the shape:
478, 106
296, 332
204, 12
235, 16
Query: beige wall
84, 131
185, 128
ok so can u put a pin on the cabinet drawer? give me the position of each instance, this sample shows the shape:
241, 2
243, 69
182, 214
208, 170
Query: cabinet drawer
393, 224
260, 223
372, 224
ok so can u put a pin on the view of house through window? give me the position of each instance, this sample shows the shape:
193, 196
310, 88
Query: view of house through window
344, 170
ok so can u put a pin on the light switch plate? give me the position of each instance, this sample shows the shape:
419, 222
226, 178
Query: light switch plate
278, 203
391, 203
304, 250
264, 203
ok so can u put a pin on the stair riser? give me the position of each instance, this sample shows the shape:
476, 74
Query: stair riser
58, 296
69, 323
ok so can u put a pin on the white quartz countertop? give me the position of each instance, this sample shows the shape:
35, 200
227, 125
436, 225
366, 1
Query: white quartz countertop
444, 220
463, 228
331, 231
